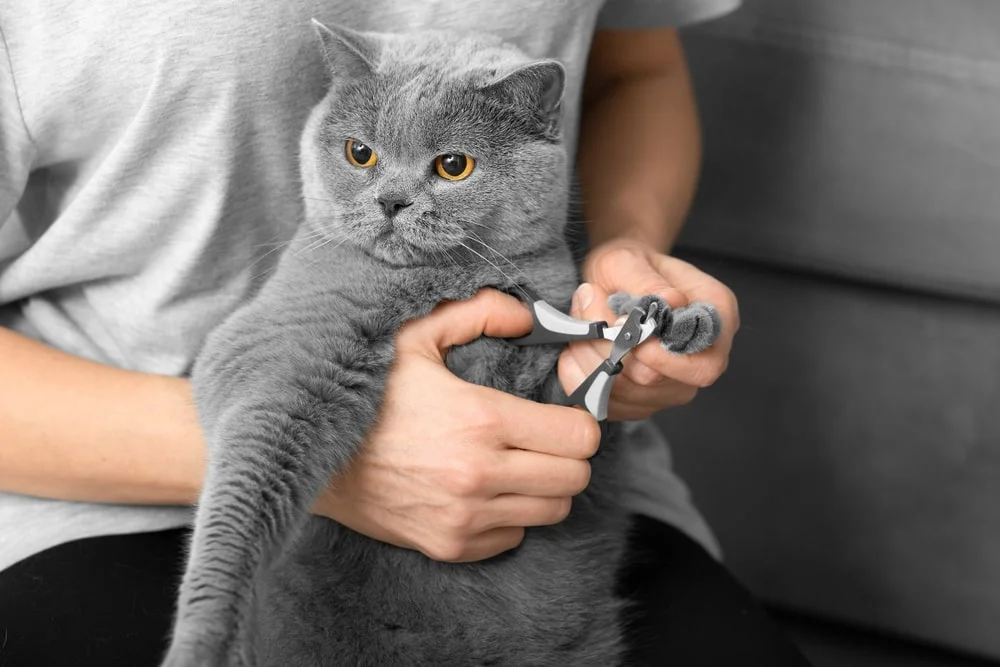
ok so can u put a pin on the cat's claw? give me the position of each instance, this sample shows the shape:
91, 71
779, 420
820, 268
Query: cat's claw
686, 330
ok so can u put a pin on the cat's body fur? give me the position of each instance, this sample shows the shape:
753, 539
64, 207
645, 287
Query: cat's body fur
336, 598
288, 387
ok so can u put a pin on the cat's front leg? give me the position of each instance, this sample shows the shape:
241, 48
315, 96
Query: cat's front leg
269, 459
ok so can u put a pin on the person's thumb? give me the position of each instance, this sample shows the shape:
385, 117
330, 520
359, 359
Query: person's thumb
488, 313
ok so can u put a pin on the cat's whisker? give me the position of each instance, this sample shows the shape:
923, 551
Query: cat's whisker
277, 245
452, 258
320, 199
322, 237
502, 272
475, 237
341, 242
315, 237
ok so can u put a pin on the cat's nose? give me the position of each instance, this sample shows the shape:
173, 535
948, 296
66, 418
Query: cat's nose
393, 204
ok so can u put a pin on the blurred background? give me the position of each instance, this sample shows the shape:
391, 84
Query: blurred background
850, 459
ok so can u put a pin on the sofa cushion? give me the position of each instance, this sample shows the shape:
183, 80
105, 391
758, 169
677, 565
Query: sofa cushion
849, 460
857, 137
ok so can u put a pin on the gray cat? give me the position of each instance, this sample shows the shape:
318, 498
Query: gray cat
432, 167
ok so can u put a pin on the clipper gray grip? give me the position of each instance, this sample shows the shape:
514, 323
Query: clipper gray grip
552, 326
594, 392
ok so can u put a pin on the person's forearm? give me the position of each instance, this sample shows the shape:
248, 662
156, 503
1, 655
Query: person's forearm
640, 149
78, 430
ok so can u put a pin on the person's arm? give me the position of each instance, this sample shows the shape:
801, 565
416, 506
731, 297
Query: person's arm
78, 430
457, 485
70, 428
640, 141
638, 163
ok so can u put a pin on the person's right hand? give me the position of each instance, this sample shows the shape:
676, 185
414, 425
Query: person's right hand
455, 470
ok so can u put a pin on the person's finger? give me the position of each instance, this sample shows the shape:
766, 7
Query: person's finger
641, 374
629, 399
698, 370
483, 546
630, 269
649, 364
699, 286
578, 361
542, 475
590, 303
667, 395
619, 411
488, 313
550, 429
611, 268
524, 511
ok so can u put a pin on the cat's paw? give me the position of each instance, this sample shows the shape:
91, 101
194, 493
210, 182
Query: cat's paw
692, 329
686, 330
622, 303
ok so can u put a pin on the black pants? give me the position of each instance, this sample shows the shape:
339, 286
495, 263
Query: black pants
108, 602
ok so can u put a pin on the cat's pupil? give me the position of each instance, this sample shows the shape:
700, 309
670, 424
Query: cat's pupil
453, 164
360, 152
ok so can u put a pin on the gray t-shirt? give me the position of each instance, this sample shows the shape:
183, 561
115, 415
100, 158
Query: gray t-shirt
148, 163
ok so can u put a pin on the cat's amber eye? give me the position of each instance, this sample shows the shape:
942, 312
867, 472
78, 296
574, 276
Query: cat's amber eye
454, 166
359, 154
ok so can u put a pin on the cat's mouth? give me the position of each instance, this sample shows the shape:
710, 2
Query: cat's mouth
394, 246
407, 237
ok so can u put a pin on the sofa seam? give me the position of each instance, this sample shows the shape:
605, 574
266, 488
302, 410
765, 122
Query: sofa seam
887, 54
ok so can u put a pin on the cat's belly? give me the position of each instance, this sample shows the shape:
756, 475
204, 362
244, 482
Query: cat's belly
339, 598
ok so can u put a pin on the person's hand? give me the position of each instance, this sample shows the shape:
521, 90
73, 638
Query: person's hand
652, 379
453, 469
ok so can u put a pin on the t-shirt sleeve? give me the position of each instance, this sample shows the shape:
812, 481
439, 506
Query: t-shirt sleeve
16, 155
640, 14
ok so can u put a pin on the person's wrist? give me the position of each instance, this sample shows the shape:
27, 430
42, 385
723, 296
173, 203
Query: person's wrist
184, 478
630, 226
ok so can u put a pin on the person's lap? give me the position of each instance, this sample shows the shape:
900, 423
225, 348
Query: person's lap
109, 601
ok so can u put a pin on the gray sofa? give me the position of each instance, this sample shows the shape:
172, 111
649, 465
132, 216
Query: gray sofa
850, 459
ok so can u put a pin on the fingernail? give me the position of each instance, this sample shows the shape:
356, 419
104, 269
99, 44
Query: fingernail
583, 297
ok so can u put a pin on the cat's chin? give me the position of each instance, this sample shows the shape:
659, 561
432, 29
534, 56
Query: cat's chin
396, 250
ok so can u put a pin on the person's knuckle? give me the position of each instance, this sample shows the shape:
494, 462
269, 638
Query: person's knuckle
446, 550
580, 477
482, 419
685, 394
729, 307
466, 477
458, 518
514, 537
719, 364
643, 375
561, 509
709, 370
588, 435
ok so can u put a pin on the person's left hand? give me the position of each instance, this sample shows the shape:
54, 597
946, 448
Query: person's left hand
653, 379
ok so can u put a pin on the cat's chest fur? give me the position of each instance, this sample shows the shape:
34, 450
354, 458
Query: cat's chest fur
357, 296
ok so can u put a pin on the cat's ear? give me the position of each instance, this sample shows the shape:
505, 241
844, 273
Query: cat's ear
539, 86
348, 53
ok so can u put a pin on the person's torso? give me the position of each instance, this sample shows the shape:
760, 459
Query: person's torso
166, 138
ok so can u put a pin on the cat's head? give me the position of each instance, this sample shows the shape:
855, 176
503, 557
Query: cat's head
430, 142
